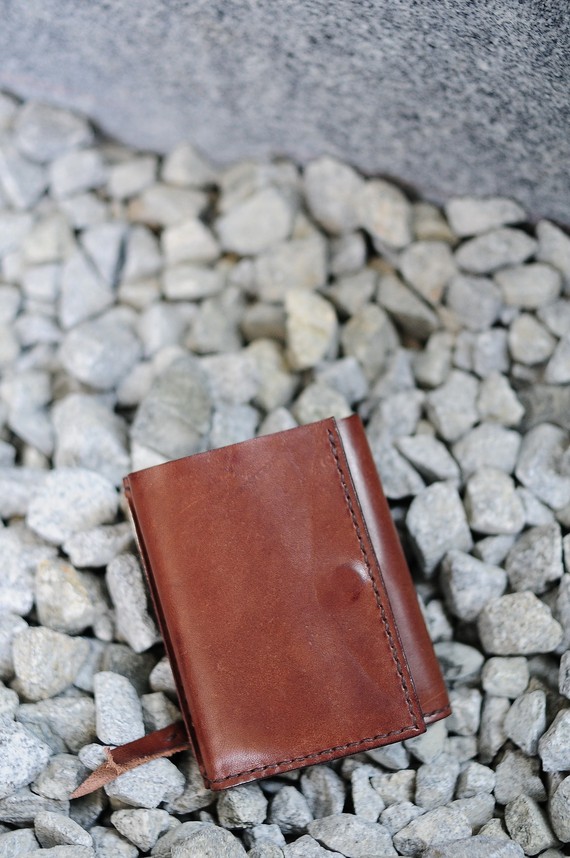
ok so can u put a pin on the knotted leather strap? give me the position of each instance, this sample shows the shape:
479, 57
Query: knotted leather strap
161, 743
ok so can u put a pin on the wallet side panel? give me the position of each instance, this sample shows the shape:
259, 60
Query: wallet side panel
162, 622
411, 625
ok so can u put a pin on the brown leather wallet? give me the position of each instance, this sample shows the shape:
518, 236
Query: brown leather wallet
286, 606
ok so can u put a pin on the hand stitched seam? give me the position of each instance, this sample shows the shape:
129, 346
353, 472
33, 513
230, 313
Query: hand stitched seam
311, 756
371, 576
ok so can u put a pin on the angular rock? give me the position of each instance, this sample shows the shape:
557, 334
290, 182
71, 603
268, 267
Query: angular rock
495, 249
148, 785
142, 255
345, 375
290, 811
297, 264
426, 747
474, 780
21, 807
397, 816
506, 677
351, 293
19, 842
175, 415
209, 841
396, 787
369, 337
23, 182
473, 215
429, 457
437, 524
497, 401
76, 172
99, 545
232, 424
311, 328
487, 446
118, 709
516, 775
385, 213
142, 826
476, 301
255, 224
412, 314
132, 176
451, 408
479, 846
435, 782
558, 367
564, 675
559, 810
529, 341
554, 745
83, 293
54, 829
128, 592
60, 777
63, 598
324, 791
100, 352
526, 721
195, 794
399, 479
318, 401
554, 247
331, 189
352, 836
528, 826
22, 757
10, 626
109, 844
468, 584
538, 466
70, 500
428, 266
535, 560
264, 836
161, 205
242, 806
439, 826
529, 286
46, 662
43, 132
518, 624
492, 504
459, 662
366, 801
186, 168
187, 282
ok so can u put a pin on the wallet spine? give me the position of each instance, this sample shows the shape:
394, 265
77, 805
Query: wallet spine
394, 571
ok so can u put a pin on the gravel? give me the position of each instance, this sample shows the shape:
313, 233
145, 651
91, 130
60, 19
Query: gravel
153, 306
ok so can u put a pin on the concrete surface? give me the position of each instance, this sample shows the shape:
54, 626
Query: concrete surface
451, 97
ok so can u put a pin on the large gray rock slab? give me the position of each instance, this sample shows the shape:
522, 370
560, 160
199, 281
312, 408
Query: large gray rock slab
478, 104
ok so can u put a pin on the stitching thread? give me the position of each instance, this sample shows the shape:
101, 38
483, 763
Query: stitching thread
309, 756
357, 742
373, 580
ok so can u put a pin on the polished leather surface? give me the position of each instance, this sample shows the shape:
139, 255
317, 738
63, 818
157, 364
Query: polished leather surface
395, 573
275, 571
